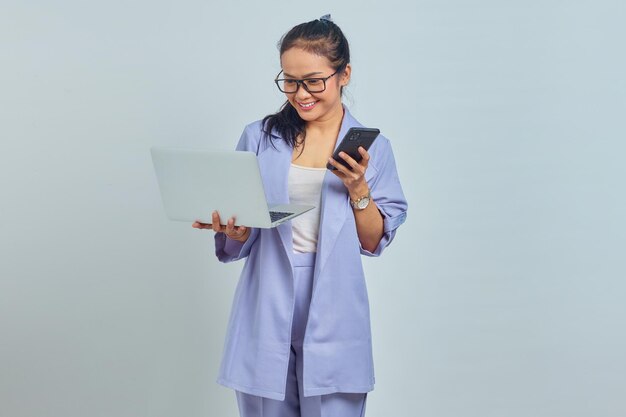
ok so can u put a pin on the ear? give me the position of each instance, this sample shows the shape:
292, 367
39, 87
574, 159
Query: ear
345, 76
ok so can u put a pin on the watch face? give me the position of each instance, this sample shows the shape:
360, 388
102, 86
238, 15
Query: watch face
363, 202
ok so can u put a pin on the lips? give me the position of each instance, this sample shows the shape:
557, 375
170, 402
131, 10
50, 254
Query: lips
307, 106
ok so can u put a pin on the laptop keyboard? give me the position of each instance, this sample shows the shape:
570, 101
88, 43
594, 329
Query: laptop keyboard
277, 215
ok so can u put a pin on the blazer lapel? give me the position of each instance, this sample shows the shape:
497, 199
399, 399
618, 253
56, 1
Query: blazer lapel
274, 163
334, 205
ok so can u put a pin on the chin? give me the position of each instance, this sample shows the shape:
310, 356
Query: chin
308, 116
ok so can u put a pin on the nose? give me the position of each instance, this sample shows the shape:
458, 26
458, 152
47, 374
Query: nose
302, 94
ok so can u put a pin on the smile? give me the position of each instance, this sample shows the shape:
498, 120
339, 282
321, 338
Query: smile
307, 106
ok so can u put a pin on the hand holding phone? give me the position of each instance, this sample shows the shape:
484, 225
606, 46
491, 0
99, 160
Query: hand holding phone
355, 137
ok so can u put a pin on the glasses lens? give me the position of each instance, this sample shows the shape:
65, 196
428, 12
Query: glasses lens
287, 86
314, 85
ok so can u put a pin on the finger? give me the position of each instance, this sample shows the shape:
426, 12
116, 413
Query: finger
361, 166
230, 226
356, 171
340, 168
198, 225
215, 222
237, 231
348, 159
366, 156
240, 230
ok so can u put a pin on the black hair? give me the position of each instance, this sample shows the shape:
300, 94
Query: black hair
321, 37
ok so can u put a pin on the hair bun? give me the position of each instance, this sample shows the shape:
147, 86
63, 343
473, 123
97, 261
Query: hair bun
326, 17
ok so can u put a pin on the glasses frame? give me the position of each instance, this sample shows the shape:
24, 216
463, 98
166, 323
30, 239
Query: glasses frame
301, 83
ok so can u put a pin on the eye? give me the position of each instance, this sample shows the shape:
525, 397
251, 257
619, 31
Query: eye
313, 81
289, 82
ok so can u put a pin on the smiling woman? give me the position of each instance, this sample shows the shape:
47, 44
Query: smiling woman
299, 339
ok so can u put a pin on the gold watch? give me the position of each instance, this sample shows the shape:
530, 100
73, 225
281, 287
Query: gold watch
362, 202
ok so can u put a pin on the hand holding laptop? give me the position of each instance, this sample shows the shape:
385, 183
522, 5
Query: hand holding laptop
193, 183
239, 233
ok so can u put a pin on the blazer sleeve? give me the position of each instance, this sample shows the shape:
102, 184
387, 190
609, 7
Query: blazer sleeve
227, 249
386, 192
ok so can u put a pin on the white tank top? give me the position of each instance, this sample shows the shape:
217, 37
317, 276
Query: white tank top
305, 187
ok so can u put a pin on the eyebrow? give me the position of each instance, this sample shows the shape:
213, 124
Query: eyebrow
305, 75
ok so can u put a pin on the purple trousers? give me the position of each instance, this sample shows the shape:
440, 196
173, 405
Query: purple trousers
296, 404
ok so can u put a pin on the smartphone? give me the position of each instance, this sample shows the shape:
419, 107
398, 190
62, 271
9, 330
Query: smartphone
355, 137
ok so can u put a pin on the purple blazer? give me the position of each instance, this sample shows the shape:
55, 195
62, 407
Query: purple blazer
337, 349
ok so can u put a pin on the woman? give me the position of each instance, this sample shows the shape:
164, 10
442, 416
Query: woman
298, 340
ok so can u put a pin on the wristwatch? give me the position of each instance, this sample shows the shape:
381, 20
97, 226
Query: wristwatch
362, 202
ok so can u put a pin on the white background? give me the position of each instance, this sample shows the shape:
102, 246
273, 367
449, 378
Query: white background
503, 293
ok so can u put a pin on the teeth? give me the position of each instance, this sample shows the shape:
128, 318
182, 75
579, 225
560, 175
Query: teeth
307, 105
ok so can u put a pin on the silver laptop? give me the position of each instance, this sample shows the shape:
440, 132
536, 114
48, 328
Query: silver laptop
194, 183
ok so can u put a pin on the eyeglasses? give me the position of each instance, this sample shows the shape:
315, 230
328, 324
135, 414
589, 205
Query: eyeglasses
312, 85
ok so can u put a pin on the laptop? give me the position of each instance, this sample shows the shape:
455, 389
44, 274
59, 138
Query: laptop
194, 183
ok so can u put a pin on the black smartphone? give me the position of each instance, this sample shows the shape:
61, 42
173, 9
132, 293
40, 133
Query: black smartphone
355, 137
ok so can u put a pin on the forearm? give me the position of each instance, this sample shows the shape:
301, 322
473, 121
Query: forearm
369, 222
369, 226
